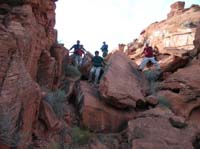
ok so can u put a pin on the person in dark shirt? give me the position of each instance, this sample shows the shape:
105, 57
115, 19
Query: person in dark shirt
104, 49
96, 68
148, 52
78, 52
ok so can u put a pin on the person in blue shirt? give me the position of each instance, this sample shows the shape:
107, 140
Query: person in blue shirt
98, 62
104, 49
78, 52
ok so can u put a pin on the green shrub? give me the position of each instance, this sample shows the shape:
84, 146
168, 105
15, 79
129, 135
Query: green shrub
152, 76
80, 136
164, 102
56, 99
72, 71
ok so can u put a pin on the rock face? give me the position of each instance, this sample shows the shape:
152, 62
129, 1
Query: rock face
122, 84
96, 115
171, 38
29, 55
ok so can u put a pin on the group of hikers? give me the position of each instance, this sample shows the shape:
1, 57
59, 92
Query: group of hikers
79, 50
98, 61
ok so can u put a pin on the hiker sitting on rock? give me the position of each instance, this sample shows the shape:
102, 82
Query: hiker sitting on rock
77, 54
96, 68
148, 52
104, 49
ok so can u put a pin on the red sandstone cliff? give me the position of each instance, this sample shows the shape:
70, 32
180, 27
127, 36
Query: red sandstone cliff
30, 57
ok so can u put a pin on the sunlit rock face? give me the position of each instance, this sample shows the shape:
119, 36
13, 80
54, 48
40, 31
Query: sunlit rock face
174, 35
29, 52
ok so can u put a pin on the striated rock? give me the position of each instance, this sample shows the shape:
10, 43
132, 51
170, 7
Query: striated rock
172, 37
96, 115
122, 88
19, 95
46, 70
27, 36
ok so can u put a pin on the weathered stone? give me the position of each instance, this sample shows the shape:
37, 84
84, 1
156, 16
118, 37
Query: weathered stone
122, 88
157, 132
96, 115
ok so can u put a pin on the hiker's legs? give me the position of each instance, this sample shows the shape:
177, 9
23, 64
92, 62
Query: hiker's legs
143, 63
105, 53
155, 62
97, 73
92, 70
76, 60
79, 60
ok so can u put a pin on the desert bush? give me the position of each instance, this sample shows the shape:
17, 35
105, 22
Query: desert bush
152, 76
56, 99
164, 102
80, 136
71, 71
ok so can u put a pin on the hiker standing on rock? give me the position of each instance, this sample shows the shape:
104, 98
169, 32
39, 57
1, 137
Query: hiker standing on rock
77, 54
104, 49
148, 52
96, 68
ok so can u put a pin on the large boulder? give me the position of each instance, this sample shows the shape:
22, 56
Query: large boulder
122, 84
96, 115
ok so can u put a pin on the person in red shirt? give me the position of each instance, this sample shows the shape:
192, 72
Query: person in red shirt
79, 50
78, 55
148, 52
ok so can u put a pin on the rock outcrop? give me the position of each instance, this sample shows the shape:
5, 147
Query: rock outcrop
30, 57
172, 38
